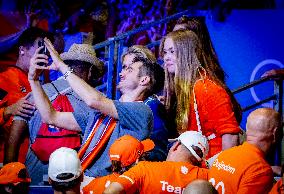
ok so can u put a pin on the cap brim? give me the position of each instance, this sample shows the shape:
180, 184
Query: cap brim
172, 140
148, 145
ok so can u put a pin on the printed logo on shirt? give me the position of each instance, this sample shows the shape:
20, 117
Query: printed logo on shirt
53, 129
171, 189
222, 166
184, 170
23, 89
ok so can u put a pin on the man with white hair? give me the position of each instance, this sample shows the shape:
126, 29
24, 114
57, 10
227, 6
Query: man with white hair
65, 172
170, 176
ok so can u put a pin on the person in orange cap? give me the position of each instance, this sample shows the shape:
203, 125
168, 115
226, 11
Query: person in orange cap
124, 153
170, 176
14, 179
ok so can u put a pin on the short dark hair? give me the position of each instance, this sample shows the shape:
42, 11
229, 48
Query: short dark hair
154, 71
65, 186
28, 37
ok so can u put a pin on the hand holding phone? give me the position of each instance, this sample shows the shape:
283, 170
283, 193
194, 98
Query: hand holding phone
42, 51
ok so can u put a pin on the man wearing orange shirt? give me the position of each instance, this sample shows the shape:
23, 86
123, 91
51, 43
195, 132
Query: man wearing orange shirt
14, 87
170, 176
243, 169
124, 153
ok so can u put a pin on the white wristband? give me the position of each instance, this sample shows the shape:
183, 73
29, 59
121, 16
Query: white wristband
67, 73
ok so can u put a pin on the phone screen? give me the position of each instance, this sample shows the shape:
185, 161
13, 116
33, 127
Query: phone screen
42, 51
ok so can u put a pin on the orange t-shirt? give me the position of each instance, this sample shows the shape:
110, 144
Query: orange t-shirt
15, 82
277, 188
215, 113
241, 169
160, 177
98, 185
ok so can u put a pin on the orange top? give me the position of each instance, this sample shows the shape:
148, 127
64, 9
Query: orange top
215, 112
160, 177
14, 81
98, 185
241, 169
277, 188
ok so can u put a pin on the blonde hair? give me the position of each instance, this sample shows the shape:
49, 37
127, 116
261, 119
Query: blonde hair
192, 64
140, 51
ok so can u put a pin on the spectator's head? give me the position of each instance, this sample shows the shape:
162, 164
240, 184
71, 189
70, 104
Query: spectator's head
14, 179
127, 151
263, 128
82, 59
200, 187
139, 65
182, 24
28, 43
136, 51
64, 170
198, 26
190, 146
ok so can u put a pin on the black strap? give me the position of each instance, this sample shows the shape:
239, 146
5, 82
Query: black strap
55, 88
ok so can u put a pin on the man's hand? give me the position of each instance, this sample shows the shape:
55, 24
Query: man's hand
21, 108
57, 63
35, 70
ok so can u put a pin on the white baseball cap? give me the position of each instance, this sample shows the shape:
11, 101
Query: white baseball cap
194, 138
64, 160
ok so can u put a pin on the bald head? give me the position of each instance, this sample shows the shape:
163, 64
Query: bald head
200, 187
262, 126
263, 120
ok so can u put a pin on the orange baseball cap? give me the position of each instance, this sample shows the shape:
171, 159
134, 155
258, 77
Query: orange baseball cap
11, 173
128, 149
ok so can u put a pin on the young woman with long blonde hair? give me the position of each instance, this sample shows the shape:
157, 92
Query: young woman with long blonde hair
194, 94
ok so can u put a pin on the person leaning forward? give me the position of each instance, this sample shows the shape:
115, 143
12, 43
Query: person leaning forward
107, 120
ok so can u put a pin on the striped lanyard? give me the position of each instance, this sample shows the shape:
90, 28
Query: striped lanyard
101, 142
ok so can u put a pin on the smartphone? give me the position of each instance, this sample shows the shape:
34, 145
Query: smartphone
42, 51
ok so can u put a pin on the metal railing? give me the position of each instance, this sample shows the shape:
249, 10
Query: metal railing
277, 96
277, 158
114, 48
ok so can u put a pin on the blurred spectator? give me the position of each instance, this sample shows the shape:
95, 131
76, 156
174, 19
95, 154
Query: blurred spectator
14, 81
82, 59
124, 153
14, 179
200, 187
65, 171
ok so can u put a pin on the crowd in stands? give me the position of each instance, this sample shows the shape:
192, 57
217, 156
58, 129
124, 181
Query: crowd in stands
174, 129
